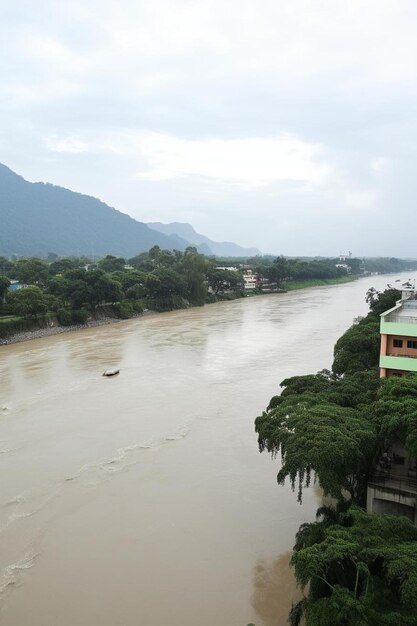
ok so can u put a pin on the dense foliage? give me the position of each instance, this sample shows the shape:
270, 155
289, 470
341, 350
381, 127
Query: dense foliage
358, 568
162, 280
361, 569
358, 348
320, 426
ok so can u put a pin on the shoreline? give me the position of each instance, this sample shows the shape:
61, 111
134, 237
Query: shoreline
40, 333
50, 331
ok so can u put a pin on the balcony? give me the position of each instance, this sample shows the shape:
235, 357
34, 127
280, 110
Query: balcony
405, 363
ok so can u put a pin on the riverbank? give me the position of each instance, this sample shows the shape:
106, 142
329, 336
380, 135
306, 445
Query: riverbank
48, 331
40, 333
319, 282
190, 385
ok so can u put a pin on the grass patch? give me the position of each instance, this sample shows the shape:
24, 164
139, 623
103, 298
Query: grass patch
5, 319
318, 282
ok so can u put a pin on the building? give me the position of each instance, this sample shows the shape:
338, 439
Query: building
251, 279
398, 330
16, 284
392, 487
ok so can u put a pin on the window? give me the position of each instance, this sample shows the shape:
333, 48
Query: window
412, 344
398, 343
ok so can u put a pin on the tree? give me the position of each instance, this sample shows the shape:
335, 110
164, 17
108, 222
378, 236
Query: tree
280, 270
5, 266
4, 285
361, 569
111, 263
129, 278
381, 301
396, 411
223, 280
193, 267
62, 265
31, 271
358, 348
314, 436
79, 288
28, 302
166, 288
353, 390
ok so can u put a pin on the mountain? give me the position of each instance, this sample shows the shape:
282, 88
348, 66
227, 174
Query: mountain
37, 218
207, 246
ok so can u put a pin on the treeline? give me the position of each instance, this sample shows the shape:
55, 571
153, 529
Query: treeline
388, 265
283, 268
75, 288
72, 289
355, 567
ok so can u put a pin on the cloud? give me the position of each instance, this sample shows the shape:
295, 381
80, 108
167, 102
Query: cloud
68, 144
254, 161
218, 112
283, 164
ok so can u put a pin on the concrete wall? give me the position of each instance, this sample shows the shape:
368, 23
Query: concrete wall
382, 499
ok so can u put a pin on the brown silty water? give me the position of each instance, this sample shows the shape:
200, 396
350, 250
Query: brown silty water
143, 499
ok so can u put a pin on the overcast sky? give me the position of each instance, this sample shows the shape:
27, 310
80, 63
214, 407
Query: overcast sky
286, 125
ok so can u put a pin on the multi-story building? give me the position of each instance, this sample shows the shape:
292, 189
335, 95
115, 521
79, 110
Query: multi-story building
398, 330
251, 279
392, 487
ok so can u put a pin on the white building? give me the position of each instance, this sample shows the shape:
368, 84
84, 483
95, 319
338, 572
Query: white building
250, 279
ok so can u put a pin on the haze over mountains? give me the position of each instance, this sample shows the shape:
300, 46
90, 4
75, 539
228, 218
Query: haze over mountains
207, 246
37, 218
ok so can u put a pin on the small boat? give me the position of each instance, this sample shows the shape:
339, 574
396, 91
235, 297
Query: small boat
110, 372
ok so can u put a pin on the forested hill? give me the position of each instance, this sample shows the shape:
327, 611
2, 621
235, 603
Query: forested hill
207, 246
37, 218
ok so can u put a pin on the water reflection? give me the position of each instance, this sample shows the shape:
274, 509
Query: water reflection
274, 590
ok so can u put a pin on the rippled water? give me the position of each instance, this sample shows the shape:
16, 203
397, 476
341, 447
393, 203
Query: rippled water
142, 499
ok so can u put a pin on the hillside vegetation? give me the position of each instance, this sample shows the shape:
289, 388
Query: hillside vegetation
39, 218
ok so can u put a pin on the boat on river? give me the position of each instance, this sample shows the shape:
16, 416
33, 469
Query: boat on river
111, 372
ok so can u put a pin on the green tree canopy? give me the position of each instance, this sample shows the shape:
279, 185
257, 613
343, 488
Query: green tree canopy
31, 271
396, 410
358, 348
381, 301
4, 285
111, 263
361, 569
315, 436
28, 302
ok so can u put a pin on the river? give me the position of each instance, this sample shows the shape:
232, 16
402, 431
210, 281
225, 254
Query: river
143, 499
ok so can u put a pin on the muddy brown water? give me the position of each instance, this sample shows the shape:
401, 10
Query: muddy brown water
142, 498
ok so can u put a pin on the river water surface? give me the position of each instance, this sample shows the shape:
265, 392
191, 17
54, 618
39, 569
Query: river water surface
142, 499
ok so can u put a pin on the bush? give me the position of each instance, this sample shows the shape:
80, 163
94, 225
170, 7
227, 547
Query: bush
123, 309
12, 325
64, 317
138, 306
79, 316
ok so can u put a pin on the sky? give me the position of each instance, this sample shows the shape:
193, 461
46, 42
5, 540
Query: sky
289, 125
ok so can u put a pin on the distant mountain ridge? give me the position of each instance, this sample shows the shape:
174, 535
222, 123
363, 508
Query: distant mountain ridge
38, 218
207, 246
